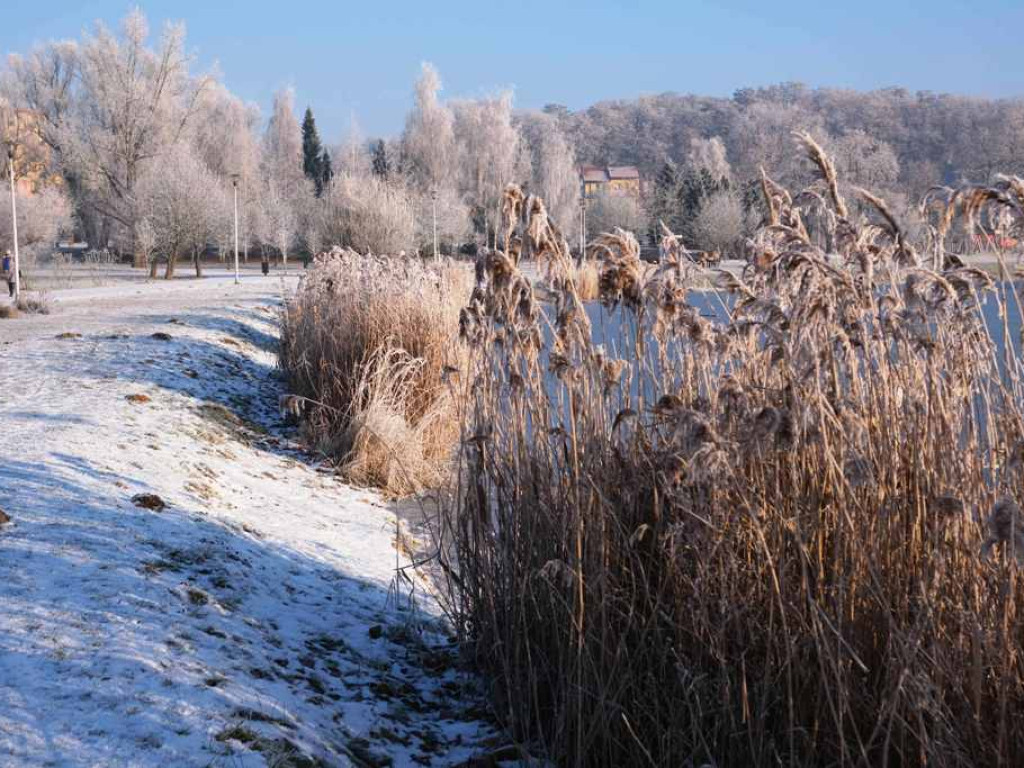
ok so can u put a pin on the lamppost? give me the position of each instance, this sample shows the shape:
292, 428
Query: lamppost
583, 227
14, 219
433, 212
234, 185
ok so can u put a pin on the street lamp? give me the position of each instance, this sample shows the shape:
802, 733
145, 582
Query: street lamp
234, 185
583, 227
14, 219
433, 210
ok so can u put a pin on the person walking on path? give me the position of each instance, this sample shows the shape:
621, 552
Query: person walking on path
7, 270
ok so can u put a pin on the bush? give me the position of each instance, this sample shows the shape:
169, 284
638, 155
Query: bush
34, 305
366, 341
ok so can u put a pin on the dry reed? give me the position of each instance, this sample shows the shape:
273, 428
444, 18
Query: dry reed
365, 343
786, 538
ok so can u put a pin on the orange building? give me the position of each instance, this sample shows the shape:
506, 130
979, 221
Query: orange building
32, 156
621, 180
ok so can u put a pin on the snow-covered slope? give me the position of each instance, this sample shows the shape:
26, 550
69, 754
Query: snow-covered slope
250, 622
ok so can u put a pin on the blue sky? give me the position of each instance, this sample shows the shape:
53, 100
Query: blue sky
360, 59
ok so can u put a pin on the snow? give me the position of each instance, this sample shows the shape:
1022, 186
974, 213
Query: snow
255, 620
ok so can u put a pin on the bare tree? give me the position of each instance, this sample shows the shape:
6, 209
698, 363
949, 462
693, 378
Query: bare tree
370, 215
554, 173
278, 223
179, 196
283, 184
865, 161
720, 223
607, 211
42, 217
428, 143
488, 152
42, 82
454, 223
132, 105
709, 155
282, 141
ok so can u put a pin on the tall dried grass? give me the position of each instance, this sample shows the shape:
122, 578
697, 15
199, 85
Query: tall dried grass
787, 538
366, 342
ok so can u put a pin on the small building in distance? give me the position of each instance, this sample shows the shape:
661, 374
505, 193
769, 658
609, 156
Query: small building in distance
617, 180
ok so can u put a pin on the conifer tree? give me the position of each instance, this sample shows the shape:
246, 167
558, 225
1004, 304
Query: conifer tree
312, 152
326, 172
381, 161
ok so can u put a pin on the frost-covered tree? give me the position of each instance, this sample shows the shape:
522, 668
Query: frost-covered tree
225, 134
866, 161
282, 142
179, 198
370, 215
554, 174
278, 219
42, 82
720, 223
606, 211
709, 155
132, 105
42, 217
283, 186
454, 223
428, 142
488, 151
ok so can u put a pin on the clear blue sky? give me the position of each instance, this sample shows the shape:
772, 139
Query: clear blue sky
360, 59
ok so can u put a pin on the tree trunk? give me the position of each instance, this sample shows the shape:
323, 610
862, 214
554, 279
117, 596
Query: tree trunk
198, 262
138, 255
152, 268
172, 259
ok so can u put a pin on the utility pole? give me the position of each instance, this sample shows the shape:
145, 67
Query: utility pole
14, 220
234, 185
433, 210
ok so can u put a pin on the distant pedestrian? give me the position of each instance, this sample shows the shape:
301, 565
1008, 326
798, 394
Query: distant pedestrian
265, 264
7, 270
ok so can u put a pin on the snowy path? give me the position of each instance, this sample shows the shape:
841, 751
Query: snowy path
249, 623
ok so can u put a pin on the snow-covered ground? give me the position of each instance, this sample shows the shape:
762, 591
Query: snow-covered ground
254, 620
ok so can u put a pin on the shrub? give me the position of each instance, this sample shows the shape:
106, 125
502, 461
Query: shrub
366, 341
34, 305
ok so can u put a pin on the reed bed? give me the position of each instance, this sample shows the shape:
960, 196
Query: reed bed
365, 343
789, 537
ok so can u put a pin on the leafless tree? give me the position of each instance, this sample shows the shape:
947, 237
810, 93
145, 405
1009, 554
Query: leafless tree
42, 217
428, 142
132, 105
488, 146
554, 170
720, 223
179, 197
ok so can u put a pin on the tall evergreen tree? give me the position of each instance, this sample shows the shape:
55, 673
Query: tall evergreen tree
326, 171
312, 152
665, 204
381, 161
